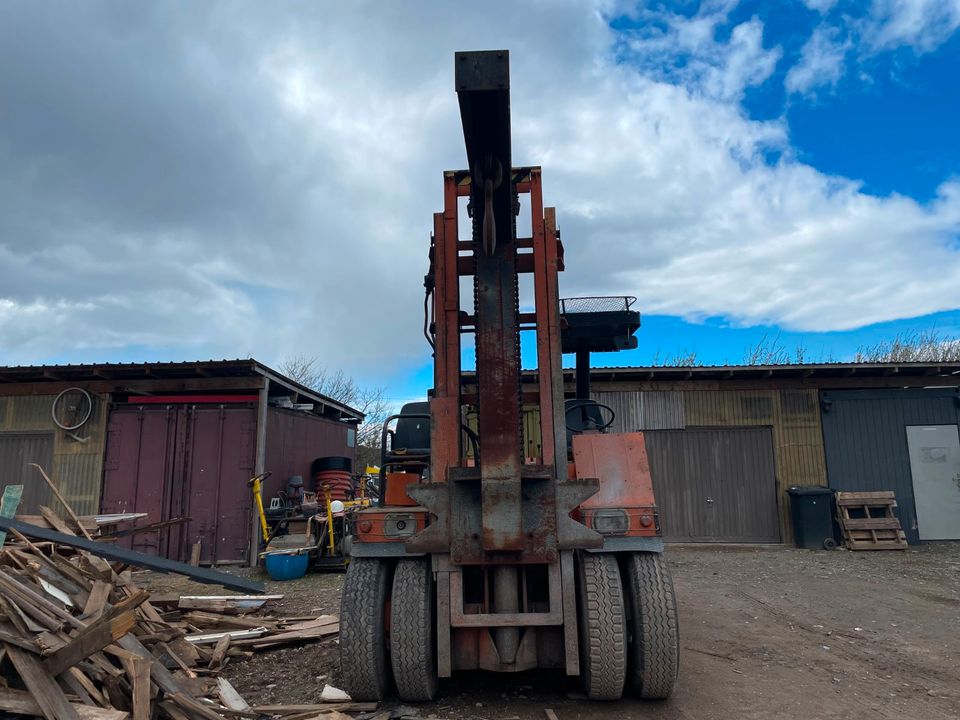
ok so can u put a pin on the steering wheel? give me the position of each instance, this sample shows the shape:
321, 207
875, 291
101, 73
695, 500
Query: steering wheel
585, 403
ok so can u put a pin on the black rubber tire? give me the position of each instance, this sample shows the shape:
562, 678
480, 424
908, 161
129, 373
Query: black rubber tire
413, 643
602, 626
829, 544
363, 645
654, 630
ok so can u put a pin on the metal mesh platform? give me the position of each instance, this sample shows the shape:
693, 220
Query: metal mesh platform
608, 303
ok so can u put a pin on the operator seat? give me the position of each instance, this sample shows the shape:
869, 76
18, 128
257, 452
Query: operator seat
411, 438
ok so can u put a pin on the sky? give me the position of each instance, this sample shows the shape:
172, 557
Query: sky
183, 180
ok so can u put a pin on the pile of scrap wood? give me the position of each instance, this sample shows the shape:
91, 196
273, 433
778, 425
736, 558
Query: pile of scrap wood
80, 639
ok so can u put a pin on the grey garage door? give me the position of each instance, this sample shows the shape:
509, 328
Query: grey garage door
715, 484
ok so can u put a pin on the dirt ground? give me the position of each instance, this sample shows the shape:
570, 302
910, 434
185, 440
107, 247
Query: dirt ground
766, 632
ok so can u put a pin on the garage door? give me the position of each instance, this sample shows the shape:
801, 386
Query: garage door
17, 451
715, 484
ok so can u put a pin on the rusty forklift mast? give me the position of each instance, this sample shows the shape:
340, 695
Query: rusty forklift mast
478, 555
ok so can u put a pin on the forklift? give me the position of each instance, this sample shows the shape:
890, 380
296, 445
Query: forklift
477, 556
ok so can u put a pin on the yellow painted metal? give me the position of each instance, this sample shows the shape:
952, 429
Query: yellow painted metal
326, 497
258, 499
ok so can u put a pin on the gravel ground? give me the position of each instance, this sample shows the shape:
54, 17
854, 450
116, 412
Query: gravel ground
766, 632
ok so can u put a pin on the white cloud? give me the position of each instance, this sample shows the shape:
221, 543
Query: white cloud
228, 180
821, 62
686, 49
920, 26
820, 6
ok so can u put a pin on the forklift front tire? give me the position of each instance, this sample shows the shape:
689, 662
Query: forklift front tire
363, 644
413, 630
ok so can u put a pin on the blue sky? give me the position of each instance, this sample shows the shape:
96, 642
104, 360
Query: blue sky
183, 181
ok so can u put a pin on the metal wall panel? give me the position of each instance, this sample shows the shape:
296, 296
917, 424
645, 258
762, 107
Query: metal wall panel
17, 451
183, 461
865, 439
294, 440
74, 465
627, 409
662, 410
729, 407
715, 484
634, 410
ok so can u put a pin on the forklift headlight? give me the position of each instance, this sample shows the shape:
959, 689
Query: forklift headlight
611, 521
397, 525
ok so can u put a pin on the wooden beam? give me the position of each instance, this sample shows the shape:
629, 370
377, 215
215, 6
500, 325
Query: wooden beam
91, 639
141, 687
22, 703
44, 689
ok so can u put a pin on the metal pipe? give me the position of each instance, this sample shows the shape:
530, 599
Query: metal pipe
583, 374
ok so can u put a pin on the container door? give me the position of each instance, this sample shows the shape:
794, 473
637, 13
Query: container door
137, 468
935, 467
218, 461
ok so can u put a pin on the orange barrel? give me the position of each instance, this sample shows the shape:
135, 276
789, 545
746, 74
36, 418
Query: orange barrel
334, 474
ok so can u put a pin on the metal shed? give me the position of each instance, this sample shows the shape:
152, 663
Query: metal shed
872, 443
727, 442
170, 439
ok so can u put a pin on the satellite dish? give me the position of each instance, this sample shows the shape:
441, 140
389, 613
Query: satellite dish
71, 410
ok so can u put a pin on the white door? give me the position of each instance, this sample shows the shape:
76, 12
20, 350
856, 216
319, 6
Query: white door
935, 466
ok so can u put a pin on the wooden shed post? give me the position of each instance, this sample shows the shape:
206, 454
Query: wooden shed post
258, 466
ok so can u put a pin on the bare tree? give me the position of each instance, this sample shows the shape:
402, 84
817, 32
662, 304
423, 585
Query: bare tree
335, 384
912, 346
680, 358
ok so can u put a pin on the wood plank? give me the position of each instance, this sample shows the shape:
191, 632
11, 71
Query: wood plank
9, 637
97, 600
163, 678
291, 637
871, 523
20, 702
112, 552
9, 504
325, 707
63, 501
231, 699
234, 604
140, 680
219, 653
55, 521
44, 689
92, 639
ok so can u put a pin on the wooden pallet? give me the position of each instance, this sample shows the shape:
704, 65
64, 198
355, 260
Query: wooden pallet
868, 522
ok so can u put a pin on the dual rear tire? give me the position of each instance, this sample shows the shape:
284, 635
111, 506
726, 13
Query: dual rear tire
376, 597
627, 625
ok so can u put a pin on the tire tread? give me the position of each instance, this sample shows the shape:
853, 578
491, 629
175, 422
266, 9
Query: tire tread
655, 637
602, 621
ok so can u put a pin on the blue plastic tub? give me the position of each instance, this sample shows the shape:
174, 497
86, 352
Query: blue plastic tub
288, 566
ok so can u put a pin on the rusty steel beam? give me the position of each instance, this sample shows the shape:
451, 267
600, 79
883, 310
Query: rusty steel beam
483, 91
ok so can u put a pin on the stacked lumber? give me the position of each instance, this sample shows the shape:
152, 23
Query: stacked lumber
80, 639
868, 521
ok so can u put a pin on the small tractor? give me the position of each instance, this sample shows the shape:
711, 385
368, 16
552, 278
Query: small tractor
478, 556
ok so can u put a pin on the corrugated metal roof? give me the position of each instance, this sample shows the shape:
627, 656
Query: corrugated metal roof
723, 372
93, 372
